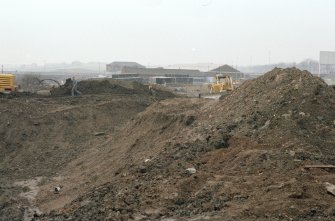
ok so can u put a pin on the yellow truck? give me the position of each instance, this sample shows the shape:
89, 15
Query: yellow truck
7, 83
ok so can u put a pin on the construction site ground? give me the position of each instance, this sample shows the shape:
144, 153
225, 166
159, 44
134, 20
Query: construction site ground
122, 151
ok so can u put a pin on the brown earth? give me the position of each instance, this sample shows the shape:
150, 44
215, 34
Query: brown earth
40, 135
249, 151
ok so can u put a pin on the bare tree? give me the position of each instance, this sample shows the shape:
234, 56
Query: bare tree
29, 82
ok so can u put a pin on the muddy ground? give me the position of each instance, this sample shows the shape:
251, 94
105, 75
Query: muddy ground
134, 157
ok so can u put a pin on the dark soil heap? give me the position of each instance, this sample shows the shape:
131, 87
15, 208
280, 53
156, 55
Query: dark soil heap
248, 149
111, 87
281, 107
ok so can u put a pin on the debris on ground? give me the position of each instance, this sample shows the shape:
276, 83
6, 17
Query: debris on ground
99, 134
57, 189
191, 170
330, 188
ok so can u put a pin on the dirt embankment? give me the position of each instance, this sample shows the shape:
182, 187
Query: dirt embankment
41, 135
248, 152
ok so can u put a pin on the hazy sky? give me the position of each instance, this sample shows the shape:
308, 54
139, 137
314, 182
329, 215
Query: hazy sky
164, 32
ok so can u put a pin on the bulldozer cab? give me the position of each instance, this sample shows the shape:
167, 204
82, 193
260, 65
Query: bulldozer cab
221, 79
222, 83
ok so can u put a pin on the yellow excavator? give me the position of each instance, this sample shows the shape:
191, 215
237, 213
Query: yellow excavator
222, 83
7, 83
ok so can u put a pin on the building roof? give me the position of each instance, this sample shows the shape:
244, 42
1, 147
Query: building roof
126, 63
225, 69
159, 71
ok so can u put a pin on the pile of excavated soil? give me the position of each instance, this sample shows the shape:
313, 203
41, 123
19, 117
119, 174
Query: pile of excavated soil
239, 158
282, 107
41, 135
111, 87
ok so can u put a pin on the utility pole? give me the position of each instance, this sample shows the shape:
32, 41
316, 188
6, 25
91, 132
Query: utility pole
320, 64
2, 69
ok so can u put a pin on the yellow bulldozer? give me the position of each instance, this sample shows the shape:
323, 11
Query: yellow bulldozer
222, 83
7, 83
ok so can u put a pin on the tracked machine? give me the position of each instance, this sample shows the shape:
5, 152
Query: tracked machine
222, 85
7, 83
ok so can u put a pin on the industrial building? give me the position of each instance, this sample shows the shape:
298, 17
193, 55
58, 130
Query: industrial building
131, 71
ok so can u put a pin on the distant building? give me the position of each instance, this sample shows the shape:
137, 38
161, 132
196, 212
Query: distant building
165, 76
161, 75
160, 72
117, 66
228, 70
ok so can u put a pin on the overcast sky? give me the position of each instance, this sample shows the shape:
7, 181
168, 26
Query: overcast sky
164, 32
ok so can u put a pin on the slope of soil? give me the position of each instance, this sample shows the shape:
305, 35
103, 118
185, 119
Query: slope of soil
249, 151
41, 135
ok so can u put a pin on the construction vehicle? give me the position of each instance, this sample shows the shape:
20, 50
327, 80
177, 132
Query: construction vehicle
7, 83
222, 83
221, 86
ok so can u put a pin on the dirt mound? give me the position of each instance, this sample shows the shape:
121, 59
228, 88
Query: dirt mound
241, 157
52, 132
41, 135
290, 104
111, 87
